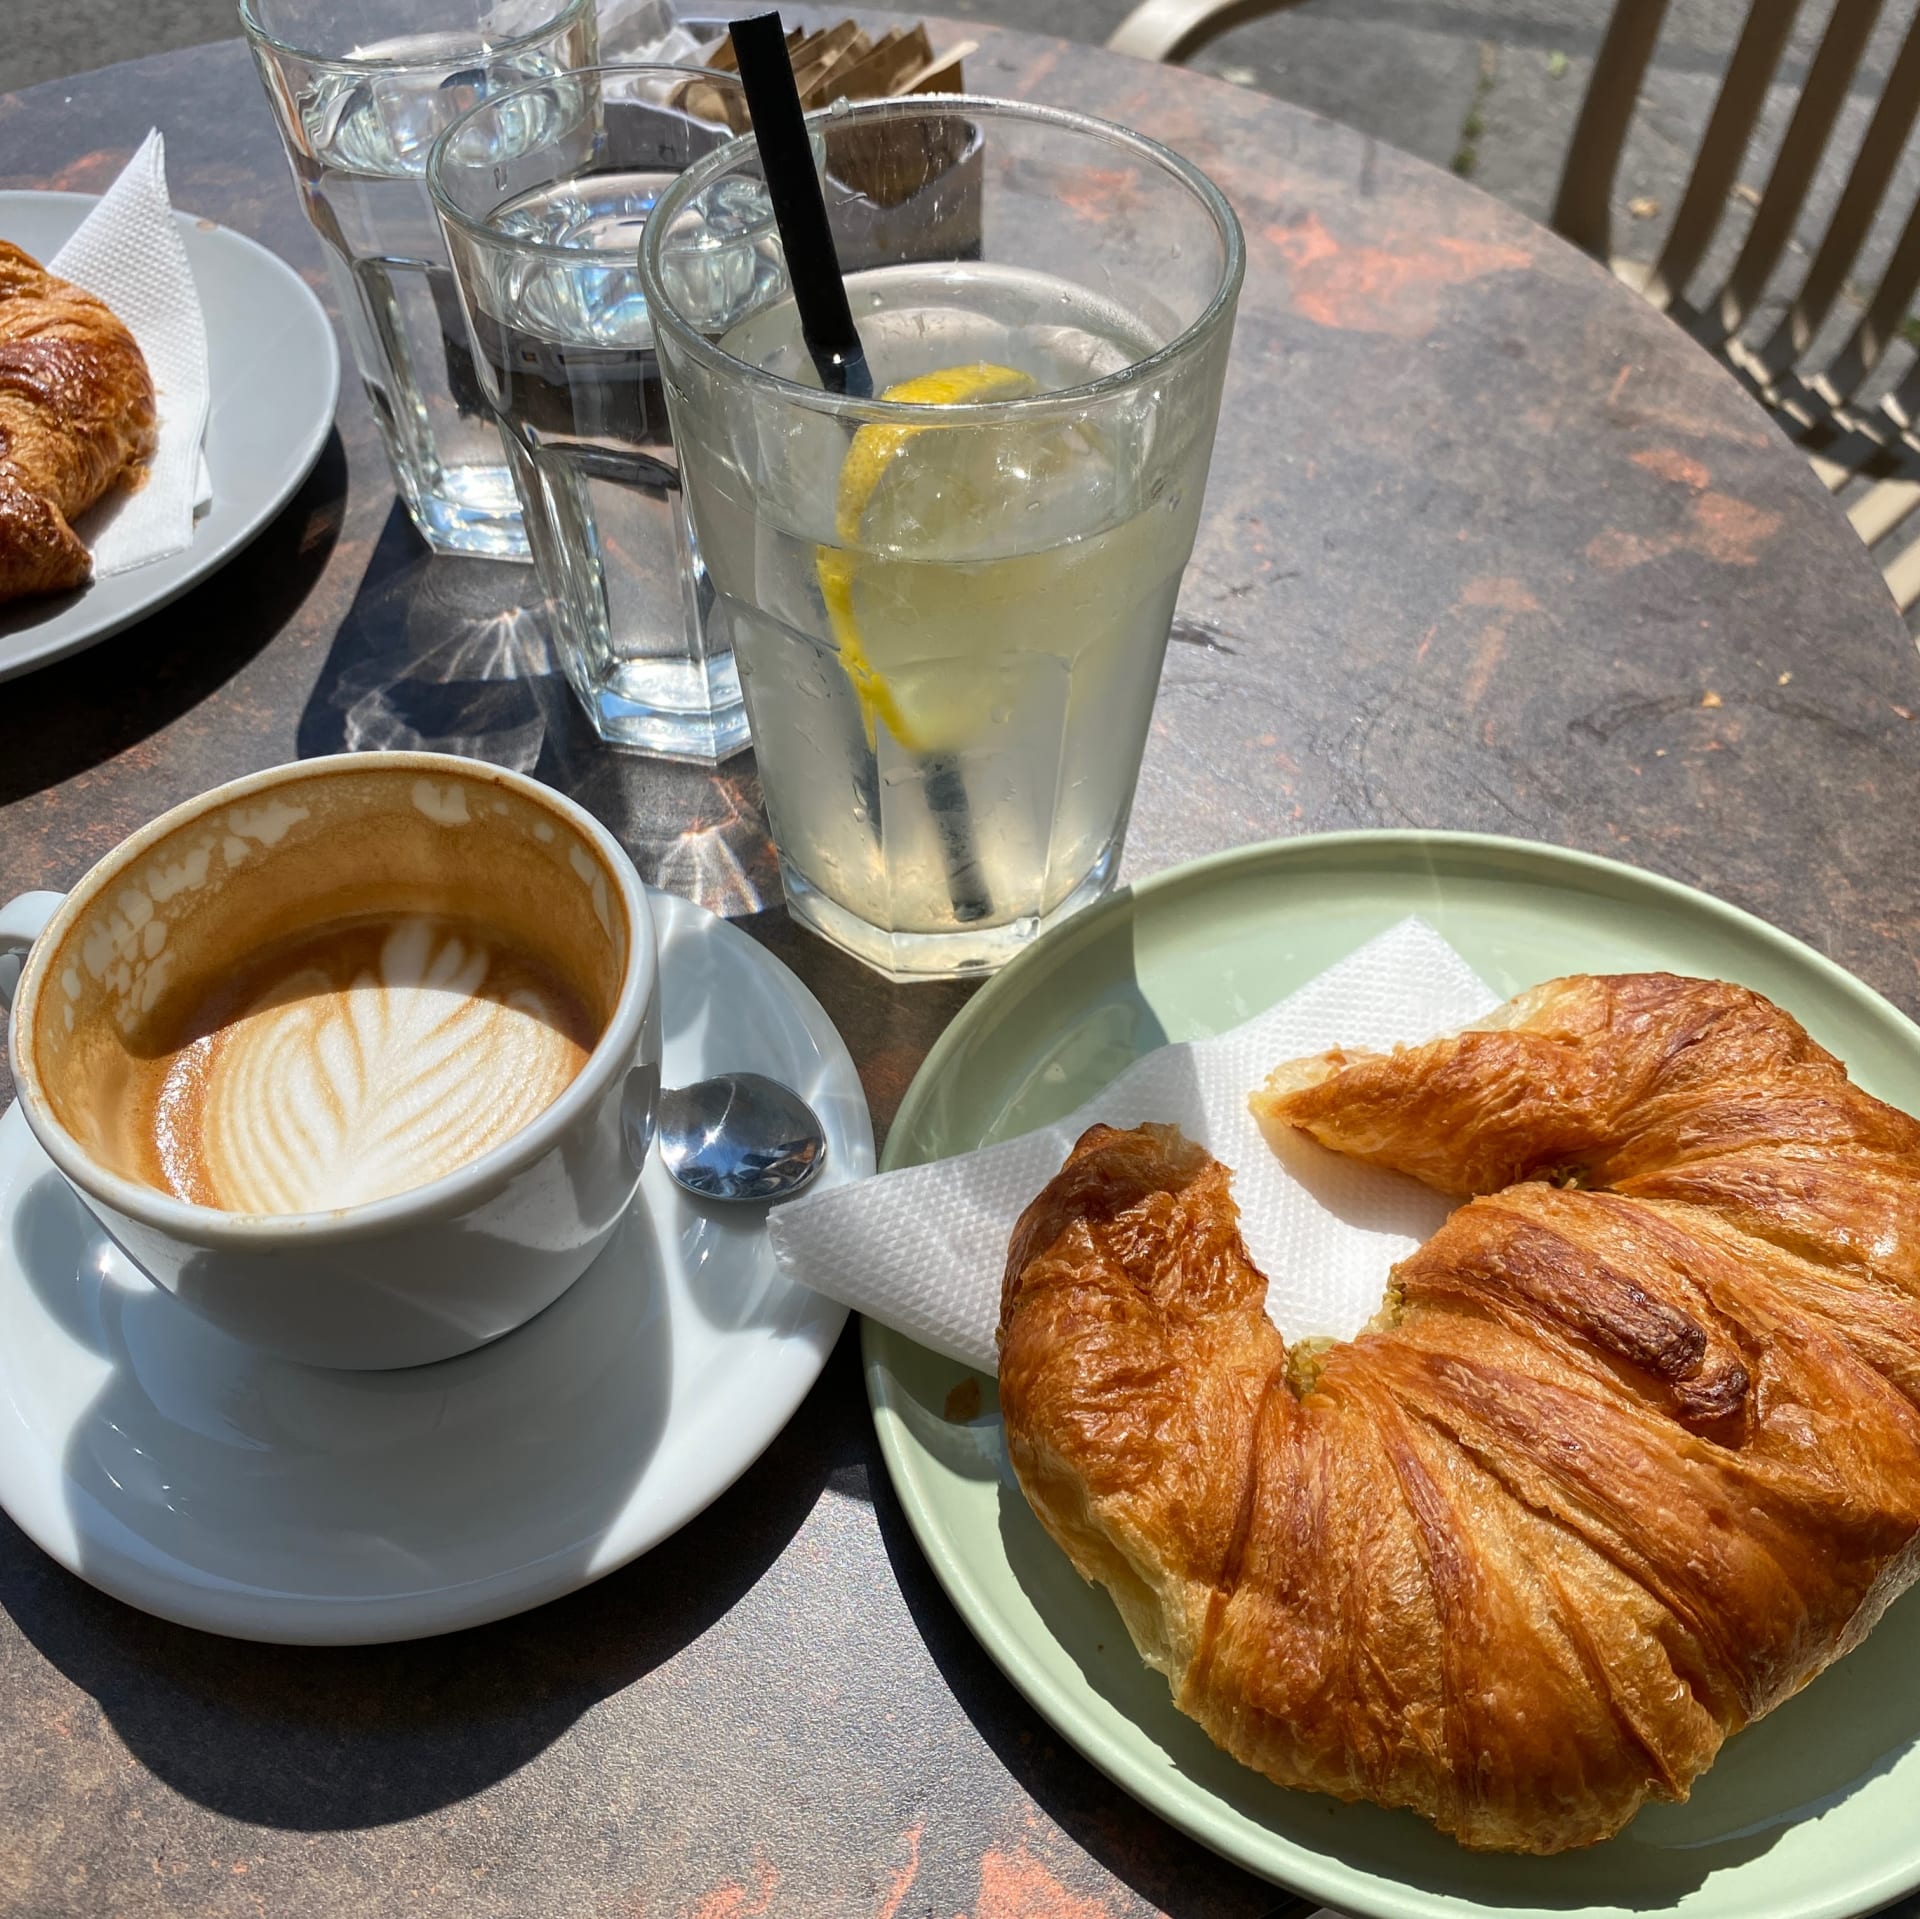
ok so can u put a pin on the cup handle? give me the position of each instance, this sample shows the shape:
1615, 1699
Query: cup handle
22, 921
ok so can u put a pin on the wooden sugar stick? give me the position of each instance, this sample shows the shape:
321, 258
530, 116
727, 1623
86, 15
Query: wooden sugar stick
823, 84
944, 74
893, 54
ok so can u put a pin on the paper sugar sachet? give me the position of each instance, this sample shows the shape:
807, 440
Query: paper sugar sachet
922, 1250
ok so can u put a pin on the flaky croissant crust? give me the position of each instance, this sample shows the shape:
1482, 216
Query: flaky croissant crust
76, 416
1631, 1454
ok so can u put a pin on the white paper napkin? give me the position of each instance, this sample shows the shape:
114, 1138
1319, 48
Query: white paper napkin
648, 31
922, 1250
128, 252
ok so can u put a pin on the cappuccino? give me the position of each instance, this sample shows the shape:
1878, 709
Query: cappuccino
351, 1061
355, 1058
343, 990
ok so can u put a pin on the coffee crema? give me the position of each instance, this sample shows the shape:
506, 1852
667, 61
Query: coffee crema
356, 1060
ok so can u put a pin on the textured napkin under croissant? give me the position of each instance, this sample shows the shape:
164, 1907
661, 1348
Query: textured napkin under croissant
1630, 1455
76, 417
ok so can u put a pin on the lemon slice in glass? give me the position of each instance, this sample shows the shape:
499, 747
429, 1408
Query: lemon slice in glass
919, 726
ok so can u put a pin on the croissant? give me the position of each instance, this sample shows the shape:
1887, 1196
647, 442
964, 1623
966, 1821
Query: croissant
76, 415
1630, 1454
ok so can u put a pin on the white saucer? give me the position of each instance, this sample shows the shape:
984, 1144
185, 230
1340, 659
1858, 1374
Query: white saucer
204, 1481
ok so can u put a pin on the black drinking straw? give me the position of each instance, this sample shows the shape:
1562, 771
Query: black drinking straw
826, 325
813, 268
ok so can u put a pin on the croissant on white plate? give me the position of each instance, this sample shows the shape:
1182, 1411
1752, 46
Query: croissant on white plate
1629, 1455
77, 417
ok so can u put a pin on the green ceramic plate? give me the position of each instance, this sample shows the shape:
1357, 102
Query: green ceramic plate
1812, 1814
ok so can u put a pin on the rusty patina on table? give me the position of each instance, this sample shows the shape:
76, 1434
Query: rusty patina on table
1488, 544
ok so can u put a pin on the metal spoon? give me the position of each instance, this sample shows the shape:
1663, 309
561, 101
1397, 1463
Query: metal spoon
739, 1136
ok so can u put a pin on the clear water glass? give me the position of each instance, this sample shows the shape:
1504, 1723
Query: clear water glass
360, 90
950, 603
543, 193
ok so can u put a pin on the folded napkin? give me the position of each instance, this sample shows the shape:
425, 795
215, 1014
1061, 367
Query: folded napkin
128, 251
922, 1249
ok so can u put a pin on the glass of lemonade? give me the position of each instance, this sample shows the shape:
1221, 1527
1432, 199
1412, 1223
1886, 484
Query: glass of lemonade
949, 603
543, 192
361, 89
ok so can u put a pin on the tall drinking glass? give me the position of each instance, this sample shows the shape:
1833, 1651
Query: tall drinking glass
543, 192
361, 89
949, 603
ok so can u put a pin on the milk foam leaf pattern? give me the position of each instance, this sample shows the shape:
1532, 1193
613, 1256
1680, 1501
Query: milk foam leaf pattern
328, 1093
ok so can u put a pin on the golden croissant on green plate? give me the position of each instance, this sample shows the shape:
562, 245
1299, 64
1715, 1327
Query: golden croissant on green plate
1630, 1454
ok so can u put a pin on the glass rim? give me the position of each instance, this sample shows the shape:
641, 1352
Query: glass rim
667, 318
257, 32
545, 249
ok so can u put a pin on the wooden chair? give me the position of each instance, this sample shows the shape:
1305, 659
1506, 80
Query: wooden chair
1867, 452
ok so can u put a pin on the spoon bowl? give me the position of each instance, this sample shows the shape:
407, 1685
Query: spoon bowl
740, 1137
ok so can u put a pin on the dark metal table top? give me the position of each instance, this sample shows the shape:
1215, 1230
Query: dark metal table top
1488, 544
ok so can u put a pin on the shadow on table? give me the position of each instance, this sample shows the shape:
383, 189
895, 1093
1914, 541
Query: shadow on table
1171, 1872
82, 711
888, 1028
453, 656
323, 1739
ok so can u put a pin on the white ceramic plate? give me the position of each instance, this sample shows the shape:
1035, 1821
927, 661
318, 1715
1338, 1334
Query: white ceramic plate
275, 372
209, 1483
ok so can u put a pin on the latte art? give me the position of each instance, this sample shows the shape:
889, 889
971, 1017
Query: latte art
370, 1059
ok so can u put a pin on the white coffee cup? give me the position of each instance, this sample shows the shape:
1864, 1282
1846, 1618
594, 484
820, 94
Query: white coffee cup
423, 1273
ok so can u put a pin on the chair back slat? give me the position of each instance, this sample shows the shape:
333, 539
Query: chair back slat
1883, 508
1881, 323
1723, 147
1798, 159
1902, 405
1903, 578
1581, 208
1853, 217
